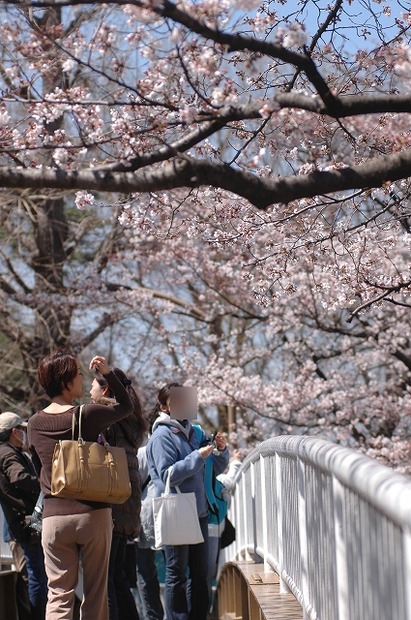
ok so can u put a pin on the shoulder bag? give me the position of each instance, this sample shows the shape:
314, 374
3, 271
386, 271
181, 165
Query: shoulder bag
176, 518
87, 470
228, 534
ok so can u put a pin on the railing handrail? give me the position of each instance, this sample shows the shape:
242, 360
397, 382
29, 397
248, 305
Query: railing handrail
333, 523
386, 489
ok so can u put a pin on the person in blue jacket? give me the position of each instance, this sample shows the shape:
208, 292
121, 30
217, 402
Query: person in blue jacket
174, 444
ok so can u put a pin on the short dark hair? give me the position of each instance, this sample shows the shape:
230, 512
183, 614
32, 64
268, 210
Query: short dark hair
56, 371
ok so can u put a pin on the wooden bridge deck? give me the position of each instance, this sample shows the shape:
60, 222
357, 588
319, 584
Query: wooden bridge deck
247, 592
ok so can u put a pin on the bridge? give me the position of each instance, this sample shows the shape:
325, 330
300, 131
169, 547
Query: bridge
322, 533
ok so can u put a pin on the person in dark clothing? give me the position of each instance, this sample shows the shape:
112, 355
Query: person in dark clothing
147, 577
147, 572
127, 433
19, 490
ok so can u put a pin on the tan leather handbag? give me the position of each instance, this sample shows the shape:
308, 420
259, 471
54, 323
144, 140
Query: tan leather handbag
88, 470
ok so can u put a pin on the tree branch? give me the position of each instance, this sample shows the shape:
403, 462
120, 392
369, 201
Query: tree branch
387, 291
232, 41
186, 172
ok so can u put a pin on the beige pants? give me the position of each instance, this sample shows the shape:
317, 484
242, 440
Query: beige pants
66, 540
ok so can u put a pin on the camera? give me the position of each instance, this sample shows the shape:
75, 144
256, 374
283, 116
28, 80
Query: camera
216, 451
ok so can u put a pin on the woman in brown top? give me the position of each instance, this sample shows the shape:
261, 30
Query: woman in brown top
73, 529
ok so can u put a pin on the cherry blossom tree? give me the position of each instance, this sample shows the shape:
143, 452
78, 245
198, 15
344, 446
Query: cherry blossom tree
286, 356
156, 96
50, 257
258, 157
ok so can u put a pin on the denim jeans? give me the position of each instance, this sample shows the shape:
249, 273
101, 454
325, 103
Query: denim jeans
148, 586
183, 602
34, 557
213, 556
121, 602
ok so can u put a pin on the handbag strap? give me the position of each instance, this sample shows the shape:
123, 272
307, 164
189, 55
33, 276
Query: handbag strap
73, 424
73, 427
167, 487
145, 483
105, 442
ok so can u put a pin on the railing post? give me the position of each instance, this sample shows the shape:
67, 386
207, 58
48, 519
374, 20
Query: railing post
248, 515
407, 570
340, 550
302, 527
242, 539
253, 512
264, 510
280, 520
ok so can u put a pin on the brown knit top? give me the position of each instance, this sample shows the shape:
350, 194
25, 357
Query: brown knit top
44, 430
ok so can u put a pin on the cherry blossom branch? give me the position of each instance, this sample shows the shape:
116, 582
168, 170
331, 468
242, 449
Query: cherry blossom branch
187, 172
348, 105
105, 321
189, 309
166, 152
234, 42
387, 291
211, 124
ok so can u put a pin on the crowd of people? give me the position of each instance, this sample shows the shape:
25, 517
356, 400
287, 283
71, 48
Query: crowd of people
85, 558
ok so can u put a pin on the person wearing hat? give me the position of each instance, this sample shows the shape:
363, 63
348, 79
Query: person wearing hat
19, 490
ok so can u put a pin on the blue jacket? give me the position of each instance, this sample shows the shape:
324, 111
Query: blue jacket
175, 446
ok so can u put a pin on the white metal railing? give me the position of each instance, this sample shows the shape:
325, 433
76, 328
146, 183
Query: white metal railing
335, 525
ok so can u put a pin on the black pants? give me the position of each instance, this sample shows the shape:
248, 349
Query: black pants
121, 602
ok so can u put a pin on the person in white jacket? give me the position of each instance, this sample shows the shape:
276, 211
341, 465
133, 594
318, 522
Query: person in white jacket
215, 530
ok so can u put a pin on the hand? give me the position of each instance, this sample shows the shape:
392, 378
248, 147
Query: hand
100, 364
220, 442
205, 451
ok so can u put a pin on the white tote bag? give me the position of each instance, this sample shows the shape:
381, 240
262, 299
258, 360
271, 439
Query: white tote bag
175, 518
